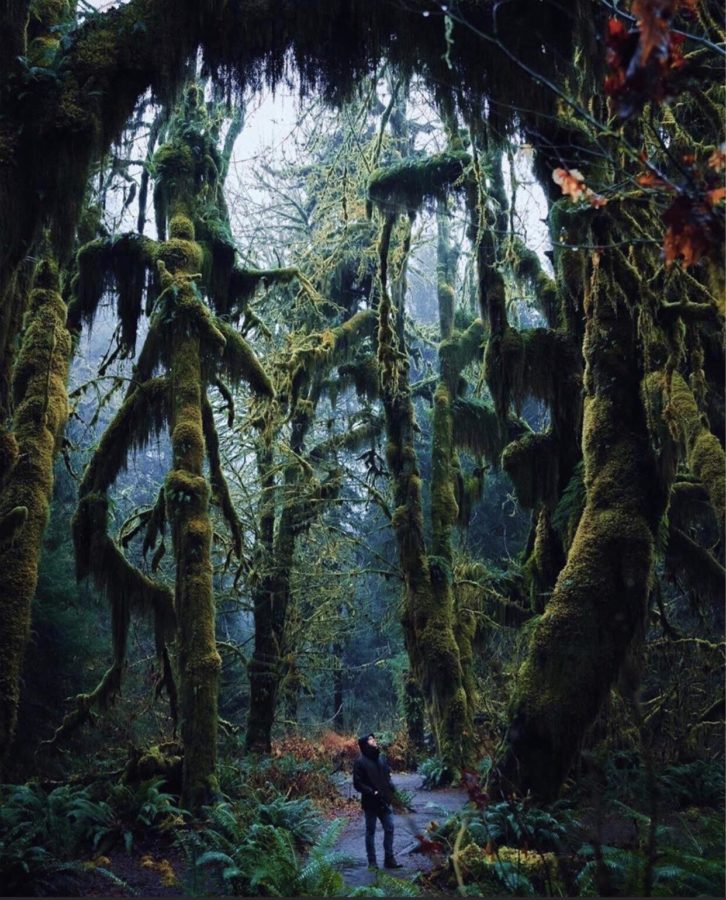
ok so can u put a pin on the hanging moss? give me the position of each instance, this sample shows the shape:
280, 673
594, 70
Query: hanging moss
404, 187
125, 262
553, 373
504, 371
469, 491
476, 429
532, 463
363, 374
140, 418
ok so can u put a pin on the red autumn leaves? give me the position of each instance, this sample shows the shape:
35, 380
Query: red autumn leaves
646, 62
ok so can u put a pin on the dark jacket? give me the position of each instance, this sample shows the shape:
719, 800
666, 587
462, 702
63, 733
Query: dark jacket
372, 778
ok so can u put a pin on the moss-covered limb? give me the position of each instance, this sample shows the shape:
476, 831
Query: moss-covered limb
41, 409
458, 351
240, 363
703, 451
404, 187
85, 705
599, 603
220, 488
332, 347
355, 438
142, 415
528, 268
701, 568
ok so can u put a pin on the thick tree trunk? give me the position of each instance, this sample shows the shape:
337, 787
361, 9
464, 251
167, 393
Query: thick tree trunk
266, 668
599, 603
41, 409
187, 496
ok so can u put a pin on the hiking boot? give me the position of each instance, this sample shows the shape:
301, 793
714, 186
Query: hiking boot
392, 864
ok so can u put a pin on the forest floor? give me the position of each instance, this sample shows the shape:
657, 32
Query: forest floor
426, 806
150, 869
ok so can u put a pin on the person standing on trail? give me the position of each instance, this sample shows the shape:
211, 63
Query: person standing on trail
372, 780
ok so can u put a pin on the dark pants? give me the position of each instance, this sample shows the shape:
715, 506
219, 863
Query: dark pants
386, 817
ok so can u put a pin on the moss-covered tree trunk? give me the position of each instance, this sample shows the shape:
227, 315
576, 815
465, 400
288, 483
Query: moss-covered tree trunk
187, 496
267, 669
41, 409
261, 714
599, 603
428, 619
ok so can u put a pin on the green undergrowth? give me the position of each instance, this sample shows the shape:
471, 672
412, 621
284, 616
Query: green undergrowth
48, 837
602, 839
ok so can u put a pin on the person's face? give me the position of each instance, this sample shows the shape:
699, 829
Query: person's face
372, 742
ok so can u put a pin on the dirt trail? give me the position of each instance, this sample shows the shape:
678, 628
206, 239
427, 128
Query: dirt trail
427, 806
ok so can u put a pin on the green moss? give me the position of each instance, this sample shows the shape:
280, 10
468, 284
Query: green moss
404, 187
41, 409
180, 254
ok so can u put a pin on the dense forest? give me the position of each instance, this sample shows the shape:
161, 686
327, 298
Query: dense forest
362, 370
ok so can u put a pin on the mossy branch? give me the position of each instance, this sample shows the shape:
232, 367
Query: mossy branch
404, 187
240, 362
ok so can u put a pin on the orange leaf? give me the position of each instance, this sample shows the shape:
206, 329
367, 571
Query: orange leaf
652, 20
716, 196
571, 182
